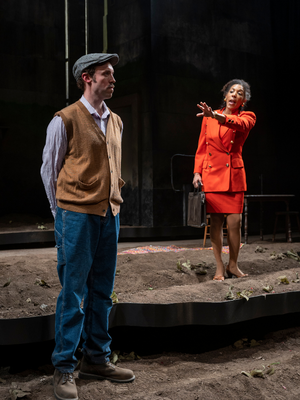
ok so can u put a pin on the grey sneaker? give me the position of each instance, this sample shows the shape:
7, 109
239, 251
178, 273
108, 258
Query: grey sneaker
64, 386
105, 371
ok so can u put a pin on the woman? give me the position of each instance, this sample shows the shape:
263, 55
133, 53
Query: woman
219, 167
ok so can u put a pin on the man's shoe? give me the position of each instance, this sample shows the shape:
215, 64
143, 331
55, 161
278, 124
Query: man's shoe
64, 386
105, 371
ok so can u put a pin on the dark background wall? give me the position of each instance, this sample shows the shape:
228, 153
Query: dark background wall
173, 54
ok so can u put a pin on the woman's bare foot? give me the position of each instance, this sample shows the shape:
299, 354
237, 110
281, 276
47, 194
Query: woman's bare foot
235, 271
220, 273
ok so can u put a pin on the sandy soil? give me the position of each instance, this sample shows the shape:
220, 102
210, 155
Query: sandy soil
29, 285
156, 277
176, 376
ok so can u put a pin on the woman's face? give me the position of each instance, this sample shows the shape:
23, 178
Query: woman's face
235, 97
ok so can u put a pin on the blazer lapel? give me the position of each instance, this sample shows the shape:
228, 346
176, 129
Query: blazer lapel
215, 134
227, 135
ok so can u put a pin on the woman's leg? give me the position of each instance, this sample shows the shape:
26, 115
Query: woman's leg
234, 223
216, 237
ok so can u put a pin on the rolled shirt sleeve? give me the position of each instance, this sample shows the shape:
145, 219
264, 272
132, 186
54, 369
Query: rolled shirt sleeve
53, 157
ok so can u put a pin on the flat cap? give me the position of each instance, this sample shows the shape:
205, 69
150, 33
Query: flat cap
93, 58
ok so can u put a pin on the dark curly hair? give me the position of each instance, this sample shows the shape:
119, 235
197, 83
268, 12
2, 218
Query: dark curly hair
91, 71
246, 88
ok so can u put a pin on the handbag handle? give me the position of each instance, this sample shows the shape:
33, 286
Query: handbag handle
198, 189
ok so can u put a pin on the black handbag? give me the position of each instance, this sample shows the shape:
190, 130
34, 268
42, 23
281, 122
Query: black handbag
196, 209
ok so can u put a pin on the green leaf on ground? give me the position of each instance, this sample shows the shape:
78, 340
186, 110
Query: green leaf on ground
283, 279
114, 356
229, 294
245, 294
18, 394
187, 264
292, 254
41, 282
268, 288
297, 280
257, 372
199, 268
179, 267
199, 265
200, 271
279, 256
246, 373
41, 226
44, 283
43, 307
114, 297
259, 249
270, 371
261, 373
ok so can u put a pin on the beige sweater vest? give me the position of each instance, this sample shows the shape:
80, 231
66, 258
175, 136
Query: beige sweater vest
90, 178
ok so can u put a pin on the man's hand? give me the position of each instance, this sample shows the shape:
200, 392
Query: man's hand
197, 181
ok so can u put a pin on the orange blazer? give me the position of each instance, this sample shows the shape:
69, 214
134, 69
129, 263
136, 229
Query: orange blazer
219, 155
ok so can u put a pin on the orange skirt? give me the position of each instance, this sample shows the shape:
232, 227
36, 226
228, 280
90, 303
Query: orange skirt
224, 202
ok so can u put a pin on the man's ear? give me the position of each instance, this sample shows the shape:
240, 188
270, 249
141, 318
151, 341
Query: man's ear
86, 77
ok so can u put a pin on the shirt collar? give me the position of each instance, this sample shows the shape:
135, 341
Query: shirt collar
91, 109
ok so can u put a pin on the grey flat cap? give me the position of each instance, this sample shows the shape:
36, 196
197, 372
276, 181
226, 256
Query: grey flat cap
93, 58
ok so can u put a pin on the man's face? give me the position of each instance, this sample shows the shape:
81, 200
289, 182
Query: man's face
102, 83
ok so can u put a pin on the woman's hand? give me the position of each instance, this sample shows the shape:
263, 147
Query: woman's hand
197, 181
206, 111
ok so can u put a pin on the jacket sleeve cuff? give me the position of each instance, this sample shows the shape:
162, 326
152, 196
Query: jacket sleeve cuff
198, 171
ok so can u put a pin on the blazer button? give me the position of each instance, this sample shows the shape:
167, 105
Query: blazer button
227, 165
209, 166
206, 142
227, 154
231, 141
209, 154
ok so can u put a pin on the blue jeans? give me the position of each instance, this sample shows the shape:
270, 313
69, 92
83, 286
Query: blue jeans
86, 264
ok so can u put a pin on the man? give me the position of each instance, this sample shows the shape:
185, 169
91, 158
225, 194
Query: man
81, 173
